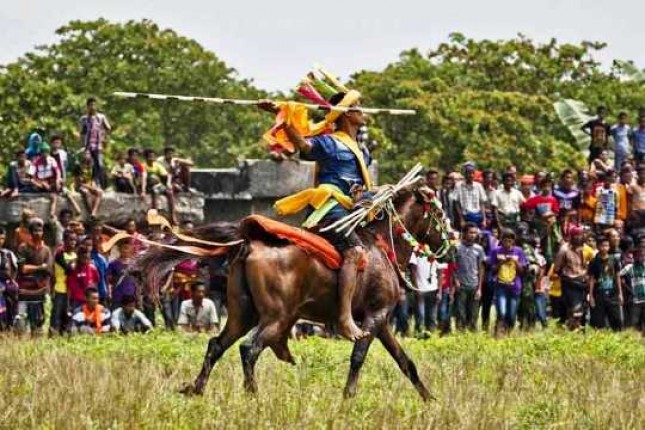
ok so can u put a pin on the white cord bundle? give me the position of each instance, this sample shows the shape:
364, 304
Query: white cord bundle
349, 222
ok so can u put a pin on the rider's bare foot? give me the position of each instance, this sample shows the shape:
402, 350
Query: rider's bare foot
350, 331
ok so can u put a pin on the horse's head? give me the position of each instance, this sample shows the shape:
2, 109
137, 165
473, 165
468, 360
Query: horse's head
419, 211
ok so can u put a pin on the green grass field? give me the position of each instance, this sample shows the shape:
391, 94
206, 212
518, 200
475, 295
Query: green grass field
541, 380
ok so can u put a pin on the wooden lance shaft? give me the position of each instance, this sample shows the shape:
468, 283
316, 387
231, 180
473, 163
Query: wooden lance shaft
241, 102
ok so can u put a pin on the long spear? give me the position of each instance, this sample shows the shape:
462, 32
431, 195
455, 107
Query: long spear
242, 102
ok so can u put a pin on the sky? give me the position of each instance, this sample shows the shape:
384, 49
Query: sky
275, 43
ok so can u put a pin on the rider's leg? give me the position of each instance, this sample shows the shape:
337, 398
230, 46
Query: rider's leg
347, 285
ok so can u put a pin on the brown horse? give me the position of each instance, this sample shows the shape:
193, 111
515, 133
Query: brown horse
272, 284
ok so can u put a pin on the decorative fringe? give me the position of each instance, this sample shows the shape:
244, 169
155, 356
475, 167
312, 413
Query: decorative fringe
332, 80
326, 90
308, 91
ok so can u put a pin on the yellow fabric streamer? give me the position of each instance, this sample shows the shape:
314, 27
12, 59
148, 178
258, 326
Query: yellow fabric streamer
315, 197
297, 116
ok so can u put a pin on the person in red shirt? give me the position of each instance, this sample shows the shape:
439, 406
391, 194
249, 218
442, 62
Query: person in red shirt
543, 202
83, 276
140, 172
447, 297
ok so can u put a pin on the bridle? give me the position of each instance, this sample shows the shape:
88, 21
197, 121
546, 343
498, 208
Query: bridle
430, 209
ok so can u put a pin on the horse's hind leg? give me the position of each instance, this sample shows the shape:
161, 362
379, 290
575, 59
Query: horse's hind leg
241, 318
405, 364
266, 335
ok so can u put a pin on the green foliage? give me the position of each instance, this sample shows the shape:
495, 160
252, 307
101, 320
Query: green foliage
490, 101
48, 88
487, 100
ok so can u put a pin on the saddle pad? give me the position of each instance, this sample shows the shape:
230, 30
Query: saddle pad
303, 239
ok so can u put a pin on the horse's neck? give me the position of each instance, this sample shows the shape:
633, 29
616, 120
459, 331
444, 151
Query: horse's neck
402, 250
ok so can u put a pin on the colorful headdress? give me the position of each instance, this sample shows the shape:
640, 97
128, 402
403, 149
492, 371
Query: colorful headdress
317, 87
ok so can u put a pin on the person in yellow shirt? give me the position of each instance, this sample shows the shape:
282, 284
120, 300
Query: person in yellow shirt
64, 261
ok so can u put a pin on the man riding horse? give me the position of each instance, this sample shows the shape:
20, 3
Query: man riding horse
342, 177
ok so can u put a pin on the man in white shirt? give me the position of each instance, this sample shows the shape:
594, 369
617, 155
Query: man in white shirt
425, 275
198, 313
471, 198
506, 203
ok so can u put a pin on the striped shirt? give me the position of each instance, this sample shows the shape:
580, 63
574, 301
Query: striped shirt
471, 197
606, 205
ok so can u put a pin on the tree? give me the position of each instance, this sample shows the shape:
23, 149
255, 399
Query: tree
47, 88
489, 101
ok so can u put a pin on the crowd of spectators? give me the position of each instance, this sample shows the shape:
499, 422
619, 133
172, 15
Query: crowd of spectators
568, 246
44, 167
60, 267
64, 270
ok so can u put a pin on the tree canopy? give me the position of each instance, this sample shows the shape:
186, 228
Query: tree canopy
48, 88
483, 100
490, 101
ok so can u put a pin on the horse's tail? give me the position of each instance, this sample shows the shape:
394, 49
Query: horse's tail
157, 262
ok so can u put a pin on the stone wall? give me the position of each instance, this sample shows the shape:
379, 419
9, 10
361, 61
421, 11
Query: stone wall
253, 187
115, 208
223, 195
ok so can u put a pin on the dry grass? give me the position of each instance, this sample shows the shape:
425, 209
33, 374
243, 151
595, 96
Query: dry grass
542, 380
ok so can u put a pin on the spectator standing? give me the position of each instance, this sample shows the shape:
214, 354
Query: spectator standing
34, 275
636, 193
607, 202
571, 265
99, 261
128, 319
506, 203
8, 285
64, 262
635, 275
622, 134
543, 202
199, 313
94, 127
470, 258
447, 296
83, 277
425, 274
447, 196
566, 193
471, 199
121, 283
508, 263
605, 291
638, 138
598, 129
91, 317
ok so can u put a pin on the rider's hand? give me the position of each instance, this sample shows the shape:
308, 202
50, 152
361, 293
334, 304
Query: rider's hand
269, 106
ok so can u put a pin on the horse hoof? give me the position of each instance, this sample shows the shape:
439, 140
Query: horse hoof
190, 391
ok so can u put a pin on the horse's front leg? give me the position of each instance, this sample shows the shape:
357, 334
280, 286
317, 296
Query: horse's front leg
372, 325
